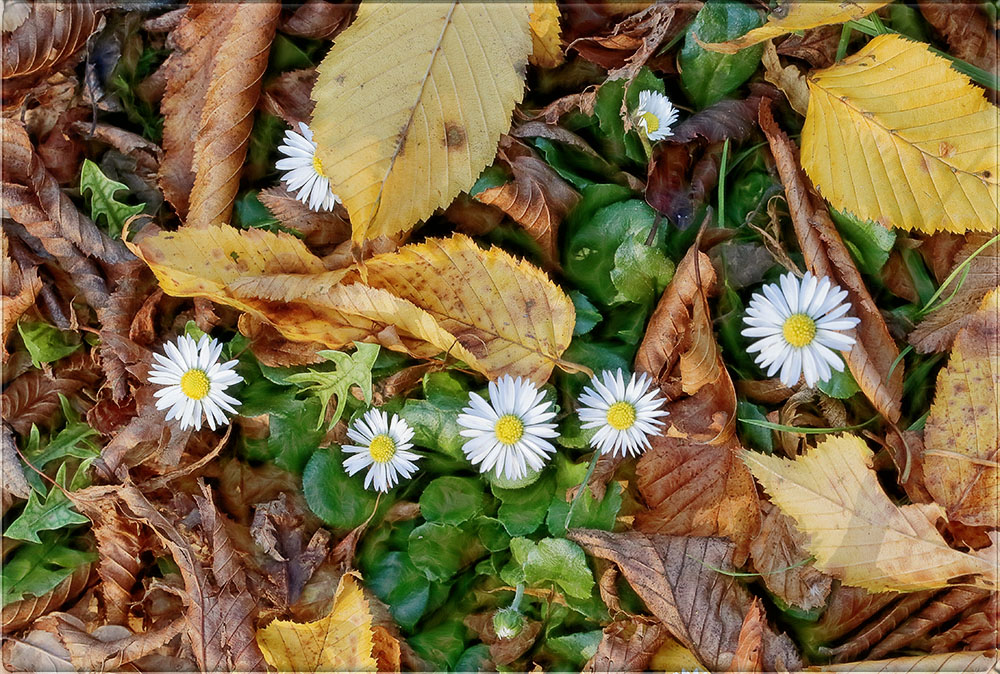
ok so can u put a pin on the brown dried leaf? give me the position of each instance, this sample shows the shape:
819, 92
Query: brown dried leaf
20, 614
19, 288
319, 19
816, 46
627, 646
779, 556
750, 647
272, 349
278, 529
698, 489
538, 199
33, 398
288, 95
789, 79
38, 651
977, 661
51, 35
12, 480
976, 629
109, 647
962, 436
213, 83
322, 228
503, 651
937, 330
675, 576
120, 541
967, 30
633, 41
874, 353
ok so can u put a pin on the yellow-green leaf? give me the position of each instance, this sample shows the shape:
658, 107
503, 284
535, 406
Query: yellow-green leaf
341, 641
895, 135
798, 15
398, 142
855, 532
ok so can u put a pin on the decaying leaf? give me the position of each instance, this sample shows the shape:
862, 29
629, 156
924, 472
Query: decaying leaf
855, 532
19, 614
627, 646
961, 440
967, 30
439, 117
750, 647
213, 83
698, 489
677, 578
18, 288
546, 42
109, 647
789, 79
974, 661
923, 155
503, 651
319, 19
442, 296
288, 95
779, 556
964, 295
537, 199
799, 15
873, 354
341, 641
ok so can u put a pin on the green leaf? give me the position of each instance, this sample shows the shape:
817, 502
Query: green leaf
249, 213
618, 145
475, 659
352, 369
72, 440
708, 77
46, 343
840, 385
55, 512
588, 513
440, 646
555, 560
753, 436
641, 271
577, 648
869, 242
452, 500
442, 550
36, 569
400, 585
102, 198
434, 420
492, 533
337, 499
587, 315
523, 510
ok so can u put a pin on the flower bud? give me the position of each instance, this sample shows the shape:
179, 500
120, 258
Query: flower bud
508, 623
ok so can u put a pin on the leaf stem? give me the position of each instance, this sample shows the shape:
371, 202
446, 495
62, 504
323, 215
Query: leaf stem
804, 430
951, 277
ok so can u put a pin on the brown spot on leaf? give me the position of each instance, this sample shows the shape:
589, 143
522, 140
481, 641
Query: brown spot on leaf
454, 136
946, 149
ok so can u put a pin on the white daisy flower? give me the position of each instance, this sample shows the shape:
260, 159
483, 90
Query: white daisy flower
507, 434
304, 171
655, 114
625, 415
384, 444
797, 325
195, 382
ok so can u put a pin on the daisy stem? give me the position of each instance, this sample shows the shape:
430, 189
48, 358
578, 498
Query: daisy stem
646, 146
583, 486
518, 596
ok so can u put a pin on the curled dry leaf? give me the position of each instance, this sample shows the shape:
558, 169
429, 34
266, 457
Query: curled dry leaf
976, 661
939, 164
288, 94
51, 34
962, 438
546, 42
12, 480
433, 135
750, 647
964, 295
789, 79
835, 498
779, 556
33, 398
872, 356
213, 84
18, 288
632, 41
109, 647
319, 19
538, 199
120, 542
967, 30
318, 228
798, 15
340, 641
816, 46
627, 646
19, 614
677, 577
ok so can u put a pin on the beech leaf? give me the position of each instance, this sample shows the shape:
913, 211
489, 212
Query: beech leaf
855, 532
923, 154
397, 143
340, 641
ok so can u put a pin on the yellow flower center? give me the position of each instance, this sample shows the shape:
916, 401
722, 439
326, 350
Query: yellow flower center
318, 165
382, 448
195, 384
652, 122
509, 429
621, 415
799, 330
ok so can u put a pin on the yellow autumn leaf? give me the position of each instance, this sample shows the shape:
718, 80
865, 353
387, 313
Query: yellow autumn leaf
855, 532
443, 296
398, 142
507, 313
798, 15
546, 42
961, 440
895, 135
341, 641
